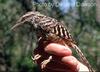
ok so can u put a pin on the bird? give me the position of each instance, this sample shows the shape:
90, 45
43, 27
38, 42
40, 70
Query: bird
50, 29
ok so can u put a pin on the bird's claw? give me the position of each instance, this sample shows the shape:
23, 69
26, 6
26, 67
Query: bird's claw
45, 62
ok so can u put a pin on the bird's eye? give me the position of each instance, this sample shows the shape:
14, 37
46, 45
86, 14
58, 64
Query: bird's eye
35, 25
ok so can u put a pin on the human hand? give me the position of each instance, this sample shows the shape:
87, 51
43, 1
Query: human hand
62, 61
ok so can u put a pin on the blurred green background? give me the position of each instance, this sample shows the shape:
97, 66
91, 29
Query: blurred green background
82, 17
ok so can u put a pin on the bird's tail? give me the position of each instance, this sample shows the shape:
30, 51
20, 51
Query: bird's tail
83, 58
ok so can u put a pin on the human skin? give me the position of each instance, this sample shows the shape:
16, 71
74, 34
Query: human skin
66, 57
63, 60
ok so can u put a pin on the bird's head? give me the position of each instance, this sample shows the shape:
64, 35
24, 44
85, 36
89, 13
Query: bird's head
31, 17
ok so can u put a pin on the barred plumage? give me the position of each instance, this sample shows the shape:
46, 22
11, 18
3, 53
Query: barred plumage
47, 26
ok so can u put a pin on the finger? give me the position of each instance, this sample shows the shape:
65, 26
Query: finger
68, 64
70, 61
58, 49
82, 68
